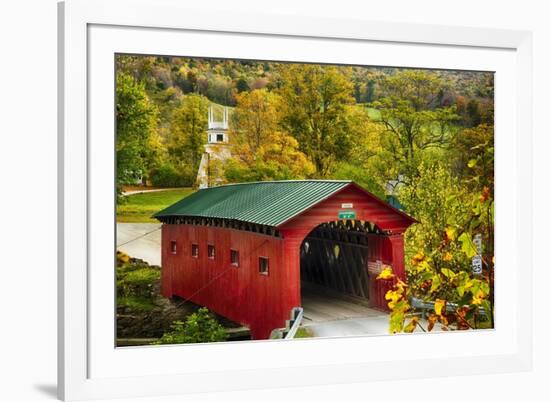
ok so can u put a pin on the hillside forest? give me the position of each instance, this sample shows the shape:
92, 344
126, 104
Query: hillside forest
419, 139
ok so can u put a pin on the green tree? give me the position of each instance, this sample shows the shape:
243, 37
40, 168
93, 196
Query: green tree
439, 201
412, 118
242, 85
472, 152
136, 139
185, 144
316, 110
220, 90
474, 115
199, 327
369, 97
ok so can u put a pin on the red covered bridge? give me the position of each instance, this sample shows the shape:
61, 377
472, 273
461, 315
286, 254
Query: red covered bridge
246, 250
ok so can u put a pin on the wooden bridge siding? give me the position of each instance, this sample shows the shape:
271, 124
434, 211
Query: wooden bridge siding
390, 251
241, 293
367, 209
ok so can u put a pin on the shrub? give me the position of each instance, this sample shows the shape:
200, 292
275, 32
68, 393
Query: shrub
136, 280
303, 332
199, 327
136, 303
167, 176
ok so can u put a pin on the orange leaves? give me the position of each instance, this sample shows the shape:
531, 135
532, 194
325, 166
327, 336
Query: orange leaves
486, 193
462, 322
432, 319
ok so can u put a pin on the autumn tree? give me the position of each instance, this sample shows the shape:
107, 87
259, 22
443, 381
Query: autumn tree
261, 149
316, 110
187, 137
472, 152
461, 299
439, 255
367, 154
136, 120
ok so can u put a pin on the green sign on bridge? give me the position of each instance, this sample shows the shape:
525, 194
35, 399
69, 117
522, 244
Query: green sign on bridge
346, 214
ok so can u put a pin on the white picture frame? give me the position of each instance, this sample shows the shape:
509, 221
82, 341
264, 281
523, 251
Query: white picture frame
92, 31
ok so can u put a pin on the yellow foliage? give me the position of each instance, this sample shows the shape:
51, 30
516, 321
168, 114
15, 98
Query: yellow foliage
411, 326
450, 232
393, 297
122, 257
386, 273
439, 306
418, 258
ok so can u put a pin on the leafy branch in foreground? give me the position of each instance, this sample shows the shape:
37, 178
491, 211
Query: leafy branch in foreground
199, 327
458, 299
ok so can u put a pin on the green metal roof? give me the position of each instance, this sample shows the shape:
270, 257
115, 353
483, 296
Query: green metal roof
266, 203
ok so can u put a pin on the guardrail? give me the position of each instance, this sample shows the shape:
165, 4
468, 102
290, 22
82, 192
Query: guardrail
429, 305
296, 316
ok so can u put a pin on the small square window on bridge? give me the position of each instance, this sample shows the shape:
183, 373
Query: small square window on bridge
211, 251
195, 250
235, 258
264, 265
173, 247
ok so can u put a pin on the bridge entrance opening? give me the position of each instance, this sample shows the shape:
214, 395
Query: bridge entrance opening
334, 275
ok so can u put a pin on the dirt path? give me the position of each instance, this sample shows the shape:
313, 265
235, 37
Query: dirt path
154, 190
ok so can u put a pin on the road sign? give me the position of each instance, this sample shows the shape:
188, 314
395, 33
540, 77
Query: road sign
346, 214
477, 243
477, 265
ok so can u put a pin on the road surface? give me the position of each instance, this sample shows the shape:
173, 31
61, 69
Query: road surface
328, 316
140, 240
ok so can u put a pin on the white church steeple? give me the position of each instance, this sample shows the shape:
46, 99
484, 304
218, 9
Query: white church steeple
217, 130
215, 149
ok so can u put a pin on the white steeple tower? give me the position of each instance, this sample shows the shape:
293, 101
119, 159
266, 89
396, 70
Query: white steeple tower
215, 149
217, 130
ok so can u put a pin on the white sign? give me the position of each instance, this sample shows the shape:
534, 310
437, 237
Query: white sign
477, 265
477, 243
347, 205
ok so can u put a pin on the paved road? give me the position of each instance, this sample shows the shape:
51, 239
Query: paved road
154, 190
140, 240
327, 316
